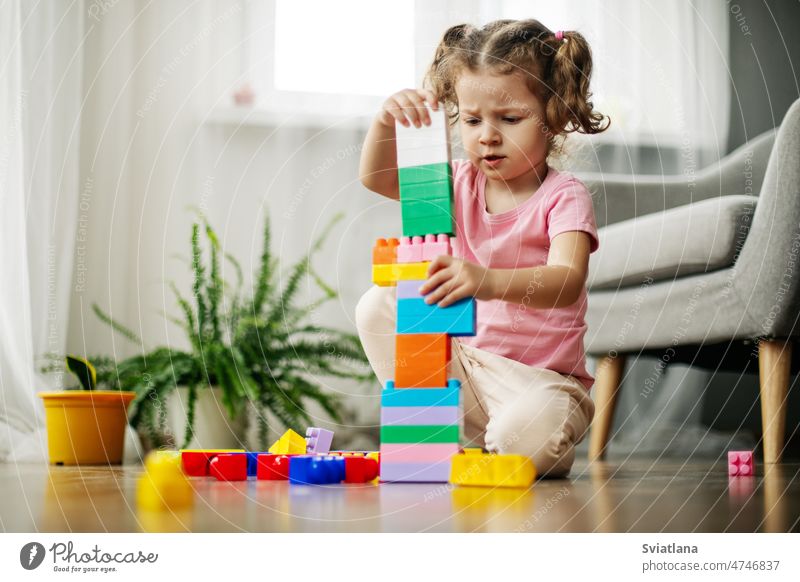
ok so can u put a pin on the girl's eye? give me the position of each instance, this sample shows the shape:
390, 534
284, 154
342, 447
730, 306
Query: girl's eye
511, 119
472, 121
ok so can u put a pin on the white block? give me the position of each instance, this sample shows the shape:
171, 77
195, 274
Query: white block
429, 144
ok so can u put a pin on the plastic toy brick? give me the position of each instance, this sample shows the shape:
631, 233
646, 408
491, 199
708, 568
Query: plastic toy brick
421, 396
410, 249
392, 415
195, 461
490, 470
290, 443
229, 467
273, 467
385, 251
426, 191
360, 469
436, 245
318, 441
423, 216
409, 289
316, 469
740, 463
388, 275
424, 174
415, 472
163, 485
419, 433
252, 463
416, 316
424, 145
418, 453
421, 360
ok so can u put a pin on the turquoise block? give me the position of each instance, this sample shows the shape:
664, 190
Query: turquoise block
449, 396
416, 316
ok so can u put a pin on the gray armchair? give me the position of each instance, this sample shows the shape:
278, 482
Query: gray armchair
701, 269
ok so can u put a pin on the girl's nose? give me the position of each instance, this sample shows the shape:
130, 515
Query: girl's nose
489, 135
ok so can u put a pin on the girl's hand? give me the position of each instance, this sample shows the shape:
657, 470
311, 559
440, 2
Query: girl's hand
407, 106
451, 279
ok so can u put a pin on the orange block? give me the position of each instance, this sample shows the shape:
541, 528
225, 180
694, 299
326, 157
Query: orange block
421, 360
385, 251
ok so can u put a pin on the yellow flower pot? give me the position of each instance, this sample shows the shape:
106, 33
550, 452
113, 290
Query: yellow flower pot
86, 427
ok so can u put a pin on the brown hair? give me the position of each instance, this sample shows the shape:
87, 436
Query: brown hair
557, 71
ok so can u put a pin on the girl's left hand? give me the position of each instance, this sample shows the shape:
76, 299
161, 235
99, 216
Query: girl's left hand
451, 279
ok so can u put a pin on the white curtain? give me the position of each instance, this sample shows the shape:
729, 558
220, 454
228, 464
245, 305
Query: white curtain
40, 81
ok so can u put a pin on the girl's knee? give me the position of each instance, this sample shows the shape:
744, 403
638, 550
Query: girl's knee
374, 310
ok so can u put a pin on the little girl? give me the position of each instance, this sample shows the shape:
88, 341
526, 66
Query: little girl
524, 234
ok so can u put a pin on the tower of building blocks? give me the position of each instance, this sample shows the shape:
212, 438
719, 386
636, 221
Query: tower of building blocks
420, 412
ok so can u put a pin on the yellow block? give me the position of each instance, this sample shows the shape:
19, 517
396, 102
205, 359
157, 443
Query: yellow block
163, 486
490, 470
388, 275
290, 443
377, 456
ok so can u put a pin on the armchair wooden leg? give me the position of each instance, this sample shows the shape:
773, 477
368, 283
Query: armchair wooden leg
774, 364
606, 386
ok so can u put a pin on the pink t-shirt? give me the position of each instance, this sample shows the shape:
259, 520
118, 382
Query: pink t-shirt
520, 238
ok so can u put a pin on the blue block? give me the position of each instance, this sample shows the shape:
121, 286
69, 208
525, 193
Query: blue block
316, 469
421, 396
252, 463
416, 316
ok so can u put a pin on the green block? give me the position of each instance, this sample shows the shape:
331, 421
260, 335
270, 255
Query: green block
425, 173
427, 217
426, 190
419, 433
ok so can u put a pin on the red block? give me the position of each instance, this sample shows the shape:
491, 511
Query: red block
273, 467
360, 469
229, 467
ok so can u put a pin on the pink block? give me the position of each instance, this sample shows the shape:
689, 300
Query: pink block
410, 250
436, 245
740, 463
418, 453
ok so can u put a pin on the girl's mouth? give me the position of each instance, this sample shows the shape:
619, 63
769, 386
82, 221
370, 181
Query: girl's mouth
493, 161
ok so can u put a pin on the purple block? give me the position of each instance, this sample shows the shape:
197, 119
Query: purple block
409, 289
429, 415
318, 441
416, 472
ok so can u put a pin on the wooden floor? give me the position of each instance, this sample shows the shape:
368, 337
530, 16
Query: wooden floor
640, 496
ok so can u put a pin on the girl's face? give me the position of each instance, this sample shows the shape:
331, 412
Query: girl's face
502, 126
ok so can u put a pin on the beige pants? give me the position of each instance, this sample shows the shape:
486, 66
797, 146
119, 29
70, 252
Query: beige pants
509, 407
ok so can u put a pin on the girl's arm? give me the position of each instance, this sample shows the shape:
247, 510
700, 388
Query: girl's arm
378, 167
557, 284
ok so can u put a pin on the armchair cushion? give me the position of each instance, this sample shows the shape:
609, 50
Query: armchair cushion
695, 238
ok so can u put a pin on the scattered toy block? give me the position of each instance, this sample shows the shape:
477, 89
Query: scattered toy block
420, 433
360, 469
252, 463
163, 485
392, 415
273, 467
228, 467
316, 469
491, 470
416, 316
421, 360
385, 251
318, 441
415, 472
418, 452
195, 461
290, 443
740, 463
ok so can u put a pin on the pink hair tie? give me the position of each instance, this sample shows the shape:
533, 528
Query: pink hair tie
560, 35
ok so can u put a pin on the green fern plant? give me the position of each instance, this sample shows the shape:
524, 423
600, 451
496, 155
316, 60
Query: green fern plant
261, 348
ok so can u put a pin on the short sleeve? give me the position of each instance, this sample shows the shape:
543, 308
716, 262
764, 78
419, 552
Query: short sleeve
570, 209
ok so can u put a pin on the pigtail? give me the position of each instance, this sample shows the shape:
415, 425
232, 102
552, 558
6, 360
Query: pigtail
439, 78
569, 107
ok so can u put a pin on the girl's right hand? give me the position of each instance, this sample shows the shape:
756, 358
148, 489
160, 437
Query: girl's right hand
408, 106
